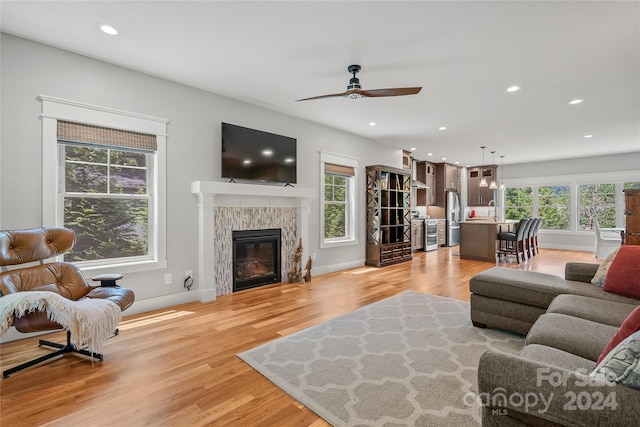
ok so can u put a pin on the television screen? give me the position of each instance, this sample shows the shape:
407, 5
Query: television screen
249, 154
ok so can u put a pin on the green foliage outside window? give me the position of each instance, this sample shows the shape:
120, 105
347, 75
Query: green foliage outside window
105, 202
335, 206
519, 203
553, 207
596, 201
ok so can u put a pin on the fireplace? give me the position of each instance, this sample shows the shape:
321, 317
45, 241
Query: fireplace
256, 258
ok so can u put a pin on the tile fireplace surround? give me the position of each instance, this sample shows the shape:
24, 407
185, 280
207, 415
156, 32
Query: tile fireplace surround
224, 207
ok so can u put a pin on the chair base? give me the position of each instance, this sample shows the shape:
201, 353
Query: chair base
63, 349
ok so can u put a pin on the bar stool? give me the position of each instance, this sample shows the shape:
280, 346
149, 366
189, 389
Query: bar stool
533, 236
514, 242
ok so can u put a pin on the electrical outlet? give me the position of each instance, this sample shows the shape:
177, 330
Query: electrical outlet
188, 273
313, 256
168, 279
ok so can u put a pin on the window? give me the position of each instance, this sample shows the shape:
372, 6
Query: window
106, 191
338, 200
596, 201
336, 193
519, 203
553, 207
105, 170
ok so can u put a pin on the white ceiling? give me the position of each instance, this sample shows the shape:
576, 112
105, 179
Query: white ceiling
463, 54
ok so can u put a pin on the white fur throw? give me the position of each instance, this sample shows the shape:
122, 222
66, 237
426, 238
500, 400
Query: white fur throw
90, 321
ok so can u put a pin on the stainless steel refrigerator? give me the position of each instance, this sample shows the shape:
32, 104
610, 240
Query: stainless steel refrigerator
452, 210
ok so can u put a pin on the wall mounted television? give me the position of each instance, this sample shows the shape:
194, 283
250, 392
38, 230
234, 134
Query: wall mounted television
249, 154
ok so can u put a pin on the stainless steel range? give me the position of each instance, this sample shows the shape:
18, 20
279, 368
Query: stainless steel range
430, 234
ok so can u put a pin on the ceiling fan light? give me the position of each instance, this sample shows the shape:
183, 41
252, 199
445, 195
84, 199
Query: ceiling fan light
353, 96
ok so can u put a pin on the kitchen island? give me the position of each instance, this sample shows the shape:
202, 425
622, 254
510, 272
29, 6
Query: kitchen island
478, 239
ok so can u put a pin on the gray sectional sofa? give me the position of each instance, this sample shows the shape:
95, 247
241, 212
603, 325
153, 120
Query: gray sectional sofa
568, 323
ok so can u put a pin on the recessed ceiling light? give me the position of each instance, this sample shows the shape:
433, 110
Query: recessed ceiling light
288, 160
457, 163
429, 154
246, 162
467, 166
372, 123
513, 88
442, 128
412, 148
588, 136
267, 152
108, 29
576, 101
444, 158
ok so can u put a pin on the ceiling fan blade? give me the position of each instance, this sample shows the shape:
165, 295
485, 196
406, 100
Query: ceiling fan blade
334, 95
398, 91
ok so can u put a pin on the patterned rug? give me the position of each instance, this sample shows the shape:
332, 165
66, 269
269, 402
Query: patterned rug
408, 360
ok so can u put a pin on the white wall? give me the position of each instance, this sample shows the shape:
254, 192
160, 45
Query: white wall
30, 69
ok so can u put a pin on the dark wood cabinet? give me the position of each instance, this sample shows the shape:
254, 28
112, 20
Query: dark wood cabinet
388, 215
476, 195
447, 178
426, 173
632, 214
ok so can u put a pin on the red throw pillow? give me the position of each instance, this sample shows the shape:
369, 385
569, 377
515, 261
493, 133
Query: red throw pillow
630, 325
623, 277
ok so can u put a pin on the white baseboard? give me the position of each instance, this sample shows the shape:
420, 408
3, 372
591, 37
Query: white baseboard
569, 248
150, 304
337, 267
138, 306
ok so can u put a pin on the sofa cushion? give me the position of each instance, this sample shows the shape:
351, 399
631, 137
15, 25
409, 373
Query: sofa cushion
623, 277
581, 337
601, 274
622, 364
553, 356
628, 327
611, 313
533, 288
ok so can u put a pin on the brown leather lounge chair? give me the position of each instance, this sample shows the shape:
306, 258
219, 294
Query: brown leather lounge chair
38, 244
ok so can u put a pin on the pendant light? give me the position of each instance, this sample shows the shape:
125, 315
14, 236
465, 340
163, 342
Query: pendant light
493, 184
502, 187
483, 181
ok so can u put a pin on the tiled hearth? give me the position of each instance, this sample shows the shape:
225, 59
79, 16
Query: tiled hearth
224, 207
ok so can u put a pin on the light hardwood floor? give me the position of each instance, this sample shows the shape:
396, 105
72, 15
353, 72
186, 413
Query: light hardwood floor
178, 366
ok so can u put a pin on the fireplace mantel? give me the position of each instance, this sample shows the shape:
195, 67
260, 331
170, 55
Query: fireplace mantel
238, 189
211, 194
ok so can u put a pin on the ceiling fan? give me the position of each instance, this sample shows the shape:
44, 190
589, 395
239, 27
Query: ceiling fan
354, 90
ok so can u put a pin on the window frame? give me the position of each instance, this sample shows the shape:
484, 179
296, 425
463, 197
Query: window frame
55, 109
574, 181
350, 216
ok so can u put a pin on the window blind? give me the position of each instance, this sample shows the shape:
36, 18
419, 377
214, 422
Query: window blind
339, 169
89, 134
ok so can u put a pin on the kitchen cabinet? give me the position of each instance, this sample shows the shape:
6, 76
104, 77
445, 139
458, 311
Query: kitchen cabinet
406, 159
388, 215
447, 178
426, 172
442, 232
476, 195
417, 234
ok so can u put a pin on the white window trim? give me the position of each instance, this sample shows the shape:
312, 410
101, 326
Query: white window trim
54, 109
352, 226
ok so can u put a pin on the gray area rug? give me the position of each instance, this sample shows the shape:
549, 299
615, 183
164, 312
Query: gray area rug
408, 360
